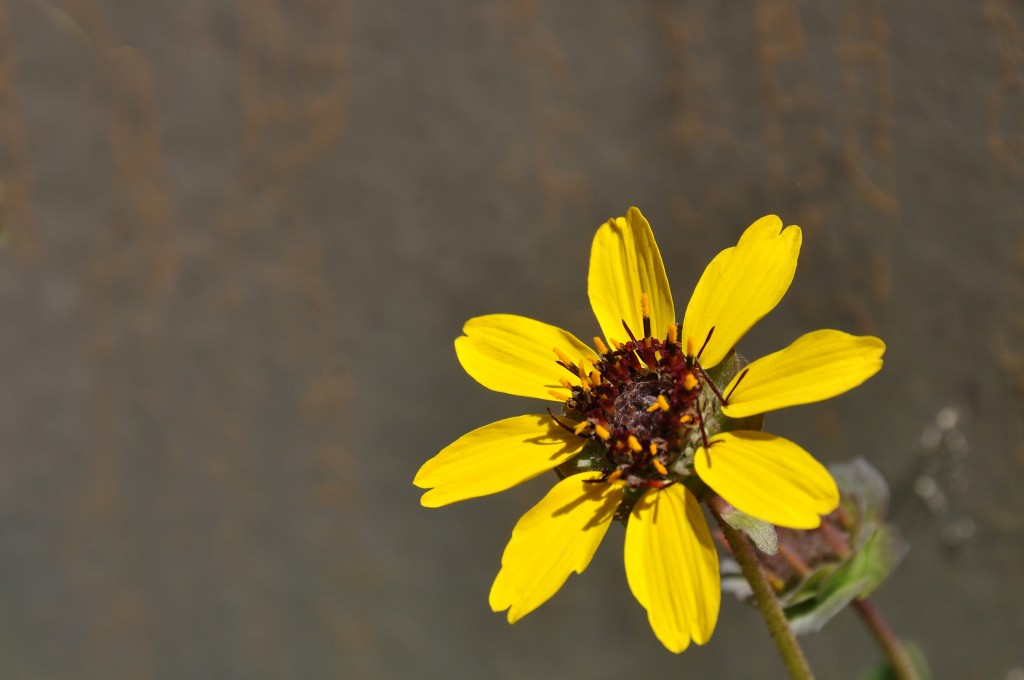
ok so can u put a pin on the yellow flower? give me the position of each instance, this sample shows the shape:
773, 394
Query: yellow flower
644, 402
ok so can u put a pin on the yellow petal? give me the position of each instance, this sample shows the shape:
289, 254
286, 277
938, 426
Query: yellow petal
556, 537
495, 457
740, 286
816, 366
514, 354
625, 263
769, 478
672, 566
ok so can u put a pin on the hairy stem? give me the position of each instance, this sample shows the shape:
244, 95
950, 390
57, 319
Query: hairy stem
764, 597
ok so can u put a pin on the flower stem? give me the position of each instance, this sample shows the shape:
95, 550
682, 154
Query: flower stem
764, 597
887, 640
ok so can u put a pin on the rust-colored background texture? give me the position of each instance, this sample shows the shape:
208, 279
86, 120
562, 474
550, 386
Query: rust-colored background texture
240, 237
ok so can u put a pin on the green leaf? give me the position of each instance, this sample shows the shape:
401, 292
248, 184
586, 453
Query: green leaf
857, 578
812, 615
872, 564
760, 532
811, 586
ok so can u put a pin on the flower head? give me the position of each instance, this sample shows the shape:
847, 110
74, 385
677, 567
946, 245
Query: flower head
647, 426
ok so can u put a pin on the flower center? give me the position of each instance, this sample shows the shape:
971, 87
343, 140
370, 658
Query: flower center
631, 406
642, 403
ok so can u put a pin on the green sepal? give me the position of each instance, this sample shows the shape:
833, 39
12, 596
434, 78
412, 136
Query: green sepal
726, 369
721, 375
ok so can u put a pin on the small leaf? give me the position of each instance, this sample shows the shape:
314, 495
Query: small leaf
857, 578
760, 532
812, 615
810, 587
870, 565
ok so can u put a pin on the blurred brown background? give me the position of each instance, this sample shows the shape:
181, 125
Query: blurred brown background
239, 238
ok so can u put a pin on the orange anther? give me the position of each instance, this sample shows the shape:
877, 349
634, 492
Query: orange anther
583, 377
661, 403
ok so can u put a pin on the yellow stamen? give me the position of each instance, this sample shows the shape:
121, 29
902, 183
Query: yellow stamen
691, 347
583, 377
659, 466
653, 448
673, 334
601, 347
595, 378
602, 432
565, 383
561, 356
614, 476
558, 395
690, 381
661, 403
615, 343
685, 419
634, 444
582, 427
